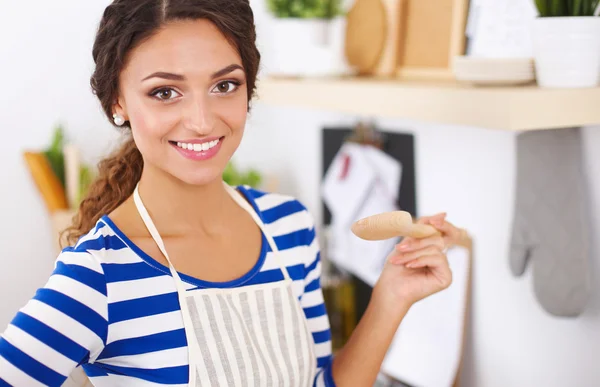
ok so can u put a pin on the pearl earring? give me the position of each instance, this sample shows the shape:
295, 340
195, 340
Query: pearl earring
119, 121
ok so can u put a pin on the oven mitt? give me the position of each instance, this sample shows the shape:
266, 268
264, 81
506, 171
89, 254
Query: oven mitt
551, 219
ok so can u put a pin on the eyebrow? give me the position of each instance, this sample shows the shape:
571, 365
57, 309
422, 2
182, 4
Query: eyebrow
164, 75
178, 77
229, 69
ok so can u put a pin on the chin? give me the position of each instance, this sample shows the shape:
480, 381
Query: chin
202, 177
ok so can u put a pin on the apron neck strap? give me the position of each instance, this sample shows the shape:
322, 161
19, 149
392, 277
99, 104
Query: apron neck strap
237, 197
153, 231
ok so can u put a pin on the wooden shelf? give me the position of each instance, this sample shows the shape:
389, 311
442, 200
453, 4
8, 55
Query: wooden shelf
506, 108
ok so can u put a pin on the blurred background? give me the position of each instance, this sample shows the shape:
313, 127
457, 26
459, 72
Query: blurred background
443, 89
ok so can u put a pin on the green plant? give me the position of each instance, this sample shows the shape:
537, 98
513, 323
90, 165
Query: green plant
56, 158
233, 176
305, 9
54, 154
86, 177
555, 8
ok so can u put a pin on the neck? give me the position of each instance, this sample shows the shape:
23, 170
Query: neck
178, 208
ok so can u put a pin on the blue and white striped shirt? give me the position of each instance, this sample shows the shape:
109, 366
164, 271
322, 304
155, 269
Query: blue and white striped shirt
112, 309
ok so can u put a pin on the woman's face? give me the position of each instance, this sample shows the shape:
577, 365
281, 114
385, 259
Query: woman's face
184, 93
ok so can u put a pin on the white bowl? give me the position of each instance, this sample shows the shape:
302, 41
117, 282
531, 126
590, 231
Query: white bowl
494, 71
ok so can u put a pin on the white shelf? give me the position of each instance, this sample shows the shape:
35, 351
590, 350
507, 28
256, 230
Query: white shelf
506, 108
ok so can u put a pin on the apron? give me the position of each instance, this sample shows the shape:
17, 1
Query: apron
254, 335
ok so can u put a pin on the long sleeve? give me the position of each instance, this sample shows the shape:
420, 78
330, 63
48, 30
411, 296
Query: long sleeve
63, 326
316, 314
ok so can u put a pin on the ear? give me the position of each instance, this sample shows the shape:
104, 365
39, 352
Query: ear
120, 108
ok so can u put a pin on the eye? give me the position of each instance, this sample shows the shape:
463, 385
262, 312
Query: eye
226, 87
165, 94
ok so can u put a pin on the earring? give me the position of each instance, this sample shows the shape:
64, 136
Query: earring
119, 121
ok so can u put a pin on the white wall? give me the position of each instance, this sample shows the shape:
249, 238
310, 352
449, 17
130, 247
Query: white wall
45, 61
45, 64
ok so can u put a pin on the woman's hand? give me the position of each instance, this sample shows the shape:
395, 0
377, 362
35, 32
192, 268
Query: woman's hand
452, 235
417, 268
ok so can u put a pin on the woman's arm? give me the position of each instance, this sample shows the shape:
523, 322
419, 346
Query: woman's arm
61, 327
358, 363
415, 270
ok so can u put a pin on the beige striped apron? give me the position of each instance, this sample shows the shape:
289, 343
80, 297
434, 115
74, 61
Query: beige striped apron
251, 336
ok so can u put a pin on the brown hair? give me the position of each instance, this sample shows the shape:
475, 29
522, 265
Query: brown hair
124, 25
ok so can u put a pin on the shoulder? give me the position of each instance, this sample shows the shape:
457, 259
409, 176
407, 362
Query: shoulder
93, 239
86, 245
275, 208
83, 262
291, 225
100, 245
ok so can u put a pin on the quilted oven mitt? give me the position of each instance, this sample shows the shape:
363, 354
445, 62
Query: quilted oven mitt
551, 220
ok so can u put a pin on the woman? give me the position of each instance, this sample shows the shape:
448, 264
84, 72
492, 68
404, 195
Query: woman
244, 307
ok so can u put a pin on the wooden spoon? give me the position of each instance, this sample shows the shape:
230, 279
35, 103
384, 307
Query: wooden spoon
390, 225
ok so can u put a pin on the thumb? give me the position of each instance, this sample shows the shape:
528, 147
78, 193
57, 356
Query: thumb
433, 219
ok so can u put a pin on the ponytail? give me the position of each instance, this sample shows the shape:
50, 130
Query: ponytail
117, 177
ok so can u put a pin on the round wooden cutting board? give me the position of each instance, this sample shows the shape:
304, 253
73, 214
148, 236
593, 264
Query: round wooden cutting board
365, 34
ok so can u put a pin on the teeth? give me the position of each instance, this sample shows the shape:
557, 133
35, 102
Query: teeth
198, 147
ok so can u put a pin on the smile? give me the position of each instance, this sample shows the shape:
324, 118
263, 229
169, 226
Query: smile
198, 147
198, 150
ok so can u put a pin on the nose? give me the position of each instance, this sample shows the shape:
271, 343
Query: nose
198, 115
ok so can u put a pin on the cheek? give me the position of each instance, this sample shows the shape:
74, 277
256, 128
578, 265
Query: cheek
235, 114
150, 123
237, 121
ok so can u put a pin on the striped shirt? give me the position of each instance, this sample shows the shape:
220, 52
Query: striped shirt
113, 310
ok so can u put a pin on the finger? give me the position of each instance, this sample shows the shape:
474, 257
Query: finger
406, 241
404, 258
398, 248
402, 246
433, 218
445, 227
416, 244
454, 235
433, 261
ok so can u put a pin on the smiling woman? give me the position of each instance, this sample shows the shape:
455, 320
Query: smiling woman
174, 277
198, 95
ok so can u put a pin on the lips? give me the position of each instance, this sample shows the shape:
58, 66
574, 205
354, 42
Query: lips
198, 149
